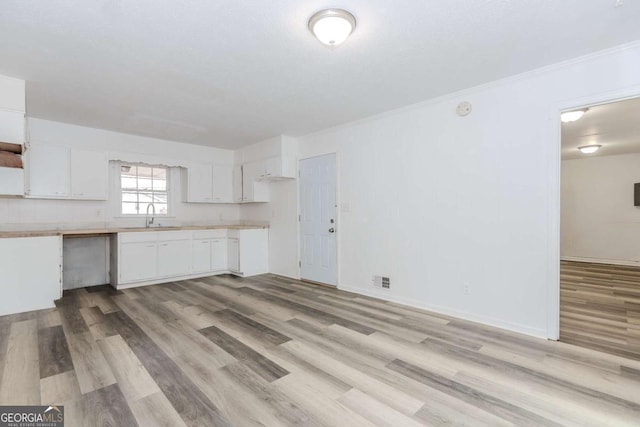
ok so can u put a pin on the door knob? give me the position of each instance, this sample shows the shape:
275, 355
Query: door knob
332, 230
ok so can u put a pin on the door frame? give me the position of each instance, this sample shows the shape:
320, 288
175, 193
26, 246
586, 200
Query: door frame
555, 193
338, 217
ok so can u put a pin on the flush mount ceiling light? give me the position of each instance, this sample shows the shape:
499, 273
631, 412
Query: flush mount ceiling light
572, 116
589, 149
332, 26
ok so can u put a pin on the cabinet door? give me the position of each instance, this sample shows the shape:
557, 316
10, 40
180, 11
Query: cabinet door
248, 176
138, 261
199, 183
233, 254
202, 256
174, 258
222, 183
89, 171
273, 167
219, 254
48, 171
12, 127
237, 183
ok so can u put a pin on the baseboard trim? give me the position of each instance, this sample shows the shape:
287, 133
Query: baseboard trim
601, 261
311, 282
490, 321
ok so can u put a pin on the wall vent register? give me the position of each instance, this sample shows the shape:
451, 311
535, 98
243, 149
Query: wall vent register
381, 282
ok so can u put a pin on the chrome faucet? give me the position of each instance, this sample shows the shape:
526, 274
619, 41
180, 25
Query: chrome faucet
150, 221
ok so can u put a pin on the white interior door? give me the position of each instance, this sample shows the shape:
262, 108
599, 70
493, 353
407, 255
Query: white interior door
318, 244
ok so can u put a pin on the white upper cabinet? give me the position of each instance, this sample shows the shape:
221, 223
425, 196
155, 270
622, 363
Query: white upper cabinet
222, 184
199, 183
89, 175
12, 131
252, 189
57, 172
49, 167
209, 183
237, 184
12, 127
12, 94
276, 168
12, 110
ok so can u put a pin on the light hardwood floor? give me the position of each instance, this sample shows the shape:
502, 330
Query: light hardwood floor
274, 351
600, 307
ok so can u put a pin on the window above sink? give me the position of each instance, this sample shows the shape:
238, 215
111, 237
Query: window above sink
142, 185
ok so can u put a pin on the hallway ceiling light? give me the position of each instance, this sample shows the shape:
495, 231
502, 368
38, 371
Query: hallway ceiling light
589, 149
572, 116
332, 26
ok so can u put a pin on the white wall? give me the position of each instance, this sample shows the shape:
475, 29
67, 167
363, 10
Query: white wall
39, 213
599, 221
437, 202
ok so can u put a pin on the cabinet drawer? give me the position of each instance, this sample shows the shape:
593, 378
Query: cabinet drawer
140, 236
168, 236
210, 234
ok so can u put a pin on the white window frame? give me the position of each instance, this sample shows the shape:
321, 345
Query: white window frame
120, 190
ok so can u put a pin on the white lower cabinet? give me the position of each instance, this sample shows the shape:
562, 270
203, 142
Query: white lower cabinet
138, 261
174, 258
233, 254
201, 255
162, 256
248, 251
219, 254
209, 255
31, 273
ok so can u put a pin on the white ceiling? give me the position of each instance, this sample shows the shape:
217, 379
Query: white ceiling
229, 73
615, 126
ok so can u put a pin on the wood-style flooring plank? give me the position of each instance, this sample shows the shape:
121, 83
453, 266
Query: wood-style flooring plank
59, 389
91, 367
361, 404
21, 373
155, 410
262, 366
133, 379
102, 407
53, 352
326, 409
